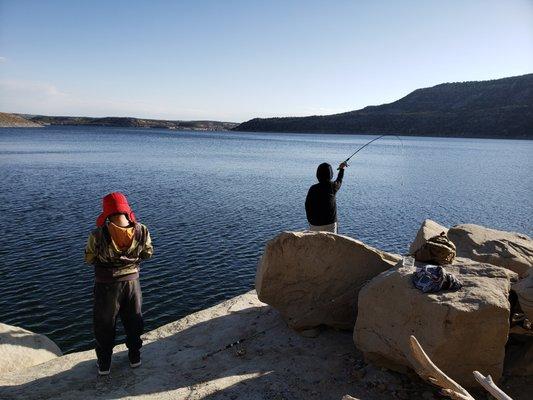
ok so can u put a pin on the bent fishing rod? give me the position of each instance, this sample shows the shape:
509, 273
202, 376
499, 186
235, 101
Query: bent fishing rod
366, 144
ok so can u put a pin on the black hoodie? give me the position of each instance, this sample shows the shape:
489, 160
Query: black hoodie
320, 204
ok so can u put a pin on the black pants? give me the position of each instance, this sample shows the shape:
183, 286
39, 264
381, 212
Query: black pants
111, 300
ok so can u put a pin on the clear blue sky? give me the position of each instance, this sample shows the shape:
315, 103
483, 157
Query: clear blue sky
234, 60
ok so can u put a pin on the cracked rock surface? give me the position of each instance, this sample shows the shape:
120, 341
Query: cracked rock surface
461, 331
509, 250
313, 278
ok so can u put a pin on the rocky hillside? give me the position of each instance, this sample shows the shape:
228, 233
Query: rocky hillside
133, 123
501, 108
16, 121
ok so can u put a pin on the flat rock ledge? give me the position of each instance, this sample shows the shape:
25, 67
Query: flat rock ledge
273, 362
20, 348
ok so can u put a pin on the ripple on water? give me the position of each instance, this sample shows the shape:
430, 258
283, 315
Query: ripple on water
212, 200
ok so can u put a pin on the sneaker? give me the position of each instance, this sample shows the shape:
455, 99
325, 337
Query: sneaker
104, 369
135, 358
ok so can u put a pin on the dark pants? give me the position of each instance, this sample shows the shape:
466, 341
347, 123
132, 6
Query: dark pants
111, 300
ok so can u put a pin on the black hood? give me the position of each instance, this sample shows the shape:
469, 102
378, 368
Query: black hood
324, 173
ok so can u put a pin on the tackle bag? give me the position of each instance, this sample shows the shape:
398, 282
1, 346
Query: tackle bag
437, 250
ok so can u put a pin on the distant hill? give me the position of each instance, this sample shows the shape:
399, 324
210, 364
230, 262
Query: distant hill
133, 122
16, 121
501, 108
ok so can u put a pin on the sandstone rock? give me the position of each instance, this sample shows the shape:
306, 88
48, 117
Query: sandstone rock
313, 278
427, 230
524, 293
20, 348
510, 250
461, 331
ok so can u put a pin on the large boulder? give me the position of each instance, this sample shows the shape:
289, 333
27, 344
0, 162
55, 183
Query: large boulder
510, 250
427, 230
461, 331
20, 348
313, 278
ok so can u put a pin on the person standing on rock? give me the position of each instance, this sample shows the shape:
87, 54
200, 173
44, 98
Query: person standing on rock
116, 248
320, 203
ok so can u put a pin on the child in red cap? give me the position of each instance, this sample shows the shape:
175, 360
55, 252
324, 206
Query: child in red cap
116, 248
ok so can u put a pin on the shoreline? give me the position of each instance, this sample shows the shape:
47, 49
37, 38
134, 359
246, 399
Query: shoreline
237, 132
190, 358
246, 348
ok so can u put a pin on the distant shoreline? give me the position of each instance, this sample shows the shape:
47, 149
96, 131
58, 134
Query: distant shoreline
183, 129
130, 122
402, 134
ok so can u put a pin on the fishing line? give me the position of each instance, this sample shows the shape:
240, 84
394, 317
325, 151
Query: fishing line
370, 142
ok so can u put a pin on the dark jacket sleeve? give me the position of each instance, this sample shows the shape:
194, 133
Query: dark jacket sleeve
338, 182
308, 204
148, 249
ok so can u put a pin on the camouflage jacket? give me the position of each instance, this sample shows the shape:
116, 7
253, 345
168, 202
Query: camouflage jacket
113, 264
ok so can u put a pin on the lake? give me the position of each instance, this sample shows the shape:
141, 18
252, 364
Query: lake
211, 201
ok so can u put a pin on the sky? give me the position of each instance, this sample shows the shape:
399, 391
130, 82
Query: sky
235, 60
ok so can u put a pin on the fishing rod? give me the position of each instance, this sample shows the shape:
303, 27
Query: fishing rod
366, 144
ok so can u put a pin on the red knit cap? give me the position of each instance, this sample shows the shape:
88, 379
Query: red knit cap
115, 203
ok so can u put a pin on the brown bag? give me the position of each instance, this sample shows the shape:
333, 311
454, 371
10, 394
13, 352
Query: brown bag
437, 250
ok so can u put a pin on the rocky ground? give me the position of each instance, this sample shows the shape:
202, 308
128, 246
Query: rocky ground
188, 359
244, 348
20, 349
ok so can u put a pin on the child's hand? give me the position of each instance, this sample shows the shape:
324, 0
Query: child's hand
343, 165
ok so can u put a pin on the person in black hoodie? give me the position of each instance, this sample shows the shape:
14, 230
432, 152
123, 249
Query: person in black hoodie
320, 203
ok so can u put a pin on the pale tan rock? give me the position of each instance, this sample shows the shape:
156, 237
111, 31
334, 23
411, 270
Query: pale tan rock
461, 331
20, 348
277, 363
313, 278
510, 250
428, 229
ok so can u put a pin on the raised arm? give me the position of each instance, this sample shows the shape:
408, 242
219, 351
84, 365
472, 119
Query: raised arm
338, 182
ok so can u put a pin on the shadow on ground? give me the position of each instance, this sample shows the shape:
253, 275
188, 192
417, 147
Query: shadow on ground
272, 362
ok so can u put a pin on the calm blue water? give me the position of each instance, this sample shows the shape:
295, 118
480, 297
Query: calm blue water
212, 200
